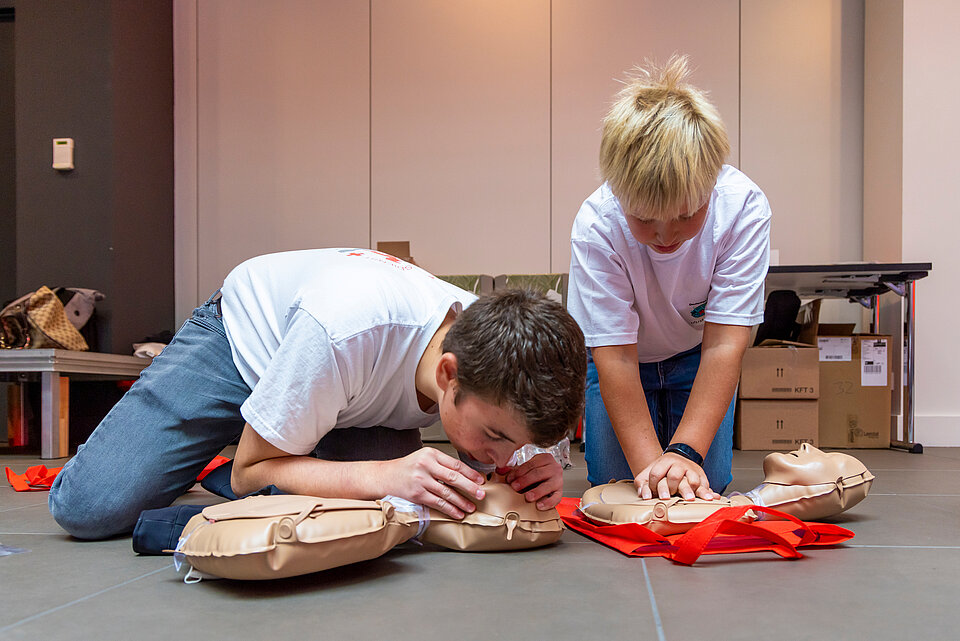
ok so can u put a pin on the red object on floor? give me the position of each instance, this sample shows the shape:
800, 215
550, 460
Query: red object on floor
35, 479
720, 533
212, 465
39, 477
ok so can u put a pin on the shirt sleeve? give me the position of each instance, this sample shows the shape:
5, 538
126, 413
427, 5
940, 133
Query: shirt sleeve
736, 291
301, 393
600, 296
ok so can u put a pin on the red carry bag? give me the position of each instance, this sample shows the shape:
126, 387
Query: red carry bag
720, 533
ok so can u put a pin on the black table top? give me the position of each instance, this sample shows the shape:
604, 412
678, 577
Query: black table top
845, 280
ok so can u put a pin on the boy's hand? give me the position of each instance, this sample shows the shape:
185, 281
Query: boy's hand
673, 474
541, 477
430, 477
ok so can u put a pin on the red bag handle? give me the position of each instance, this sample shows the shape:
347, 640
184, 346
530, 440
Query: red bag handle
726, 521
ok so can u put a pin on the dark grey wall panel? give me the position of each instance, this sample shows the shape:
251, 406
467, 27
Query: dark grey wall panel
8, 185
99, 72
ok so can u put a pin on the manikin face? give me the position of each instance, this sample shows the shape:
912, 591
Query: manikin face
488, 433
666, 236
810, 466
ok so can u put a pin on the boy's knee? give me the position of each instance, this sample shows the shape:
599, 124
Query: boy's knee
85, 516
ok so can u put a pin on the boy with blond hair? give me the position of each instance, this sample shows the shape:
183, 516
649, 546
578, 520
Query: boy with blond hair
668, 259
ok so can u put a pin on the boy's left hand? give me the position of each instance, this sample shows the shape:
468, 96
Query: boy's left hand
672, 474
541, 477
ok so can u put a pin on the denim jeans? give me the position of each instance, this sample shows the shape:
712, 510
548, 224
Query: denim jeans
183, 411
667, 386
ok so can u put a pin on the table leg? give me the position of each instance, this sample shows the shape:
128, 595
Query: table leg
17, 433
54, 415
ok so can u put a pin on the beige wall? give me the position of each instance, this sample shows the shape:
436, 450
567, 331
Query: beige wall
594, 44
910, 138
931, 102
471, 128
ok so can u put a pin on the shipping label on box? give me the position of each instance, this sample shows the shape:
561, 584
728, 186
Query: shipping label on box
873, 362
780, 371
775, 424
835, 348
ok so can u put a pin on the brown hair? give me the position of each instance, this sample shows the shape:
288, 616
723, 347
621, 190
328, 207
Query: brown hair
517, 348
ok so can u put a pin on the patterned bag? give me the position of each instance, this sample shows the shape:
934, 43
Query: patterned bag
38, 320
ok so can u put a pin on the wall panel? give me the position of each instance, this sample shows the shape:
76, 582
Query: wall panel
460, 132
801, 135
282, 129
594, 44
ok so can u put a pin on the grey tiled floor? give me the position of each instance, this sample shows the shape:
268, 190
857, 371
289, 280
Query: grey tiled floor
899, 578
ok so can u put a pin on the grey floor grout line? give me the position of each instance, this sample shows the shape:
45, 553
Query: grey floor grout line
80, 600
907, 547
32, 533
653, 602
22, 507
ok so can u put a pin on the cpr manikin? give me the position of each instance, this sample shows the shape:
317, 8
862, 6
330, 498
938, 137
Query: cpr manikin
807, 483
270, 537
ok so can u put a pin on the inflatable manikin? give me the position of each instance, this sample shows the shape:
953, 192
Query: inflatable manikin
271, 537
807, 483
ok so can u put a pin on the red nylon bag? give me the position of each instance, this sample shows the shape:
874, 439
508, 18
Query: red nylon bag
720, 533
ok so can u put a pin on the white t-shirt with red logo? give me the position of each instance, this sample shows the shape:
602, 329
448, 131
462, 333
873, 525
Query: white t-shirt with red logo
623, 292
331, 338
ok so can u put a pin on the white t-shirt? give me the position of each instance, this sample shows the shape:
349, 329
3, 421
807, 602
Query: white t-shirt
622, 292
331, 338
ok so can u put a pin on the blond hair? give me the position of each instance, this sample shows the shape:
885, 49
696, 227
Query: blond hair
663, 142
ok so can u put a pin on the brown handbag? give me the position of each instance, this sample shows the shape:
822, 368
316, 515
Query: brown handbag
38, 320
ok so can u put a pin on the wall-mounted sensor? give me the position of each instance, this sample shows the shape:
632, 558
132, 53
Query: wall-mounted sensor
63, 153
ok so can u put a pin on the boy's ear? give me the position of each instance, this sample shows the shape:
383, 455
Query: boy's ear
446, 371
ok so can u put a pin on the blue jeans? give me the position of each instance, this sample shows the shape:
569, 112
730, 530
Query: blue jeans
183, 411
667, 386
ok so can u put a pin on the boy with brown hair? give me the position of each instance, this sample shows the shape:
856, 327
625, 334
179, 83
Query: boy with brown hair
325, 363
668, 259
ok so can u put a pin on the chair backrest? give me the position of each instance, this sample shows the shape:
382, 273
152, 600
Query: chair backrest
473, 283
553, 285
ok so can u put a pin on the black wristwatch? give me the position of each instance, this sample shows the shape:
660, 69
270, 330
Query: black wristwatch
685, 451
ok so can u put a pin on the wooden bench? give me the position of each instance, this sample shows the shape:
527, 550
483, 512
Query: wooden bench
55, 368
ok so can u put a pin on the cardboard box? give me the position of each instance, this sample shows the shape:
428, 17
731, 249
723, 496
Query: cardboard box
780, 370
855, 391
398, 248
775, 424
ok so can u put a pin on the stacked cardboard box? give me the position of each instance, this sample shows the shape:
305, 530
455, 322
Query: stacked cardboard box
855, 389
777, 407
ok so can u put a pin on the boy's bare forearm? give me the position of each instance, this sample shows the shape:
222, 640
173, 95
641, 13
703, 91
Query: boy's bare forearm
259, 464
626, 404
714, 386
309, 476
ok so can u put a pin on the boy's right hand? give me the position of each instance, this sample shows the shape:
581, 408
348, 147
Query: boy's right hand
430, 477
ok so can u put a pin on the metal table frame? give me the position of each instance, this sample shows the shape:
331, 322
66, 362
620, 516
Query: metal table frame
52, 365
864, 283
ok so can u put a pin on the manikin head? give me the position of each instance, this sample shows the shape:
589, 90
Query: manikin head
810, 466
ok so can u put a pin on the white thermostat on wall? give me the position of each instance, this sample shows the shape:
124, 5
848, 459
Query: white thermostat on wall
63, 153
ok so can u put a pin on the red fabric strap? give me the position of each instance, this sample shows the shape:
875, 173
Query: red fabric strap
39, 477
36, 478
720, 533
